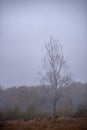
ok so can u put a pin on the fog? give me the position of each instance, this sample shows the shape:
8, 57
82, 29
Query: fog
26, 25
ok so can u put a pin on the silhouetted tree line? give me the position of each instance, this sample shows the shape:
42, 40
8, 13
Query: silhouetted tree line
16, 114
32, 102
31, 113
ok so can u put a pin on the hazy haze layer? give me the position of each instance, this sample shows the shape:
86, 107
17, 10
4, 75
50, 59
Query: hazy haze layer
26, 25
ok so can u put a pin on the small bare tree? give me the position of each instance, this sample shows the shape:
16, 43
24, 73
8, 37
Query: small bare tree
55, 73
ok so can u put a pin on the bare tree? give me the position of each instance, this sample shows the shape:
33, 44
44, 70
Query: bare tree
55, 73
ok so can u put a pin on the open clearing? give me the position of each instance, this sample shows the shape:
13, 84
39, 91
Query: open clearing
62, 123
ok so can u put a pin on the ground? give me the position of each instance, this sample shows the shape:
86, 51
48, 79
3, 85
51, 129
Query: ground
62, 123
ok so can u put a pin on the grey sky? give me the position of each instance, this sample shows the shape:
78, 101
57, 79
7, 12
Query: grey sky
26, 25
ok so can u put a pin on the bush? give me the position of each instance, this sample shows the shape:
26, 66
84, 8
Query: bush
81, 111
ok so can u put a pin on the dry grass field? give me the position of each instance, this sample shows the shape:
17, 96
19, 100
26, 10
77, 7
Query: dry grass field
62, 123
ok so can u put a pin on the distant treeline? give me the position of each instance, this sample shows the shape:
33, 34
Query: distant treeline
34, 102
16, 114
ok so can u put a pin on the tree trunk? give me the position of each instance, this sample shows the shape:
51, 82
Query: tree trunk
54, 106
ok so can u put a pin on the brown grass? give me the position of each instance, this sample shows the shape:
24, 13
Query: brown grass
46, 124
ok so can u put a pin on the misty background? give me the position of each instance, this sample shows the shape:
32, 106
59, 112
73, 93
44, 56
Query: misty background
26, 25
